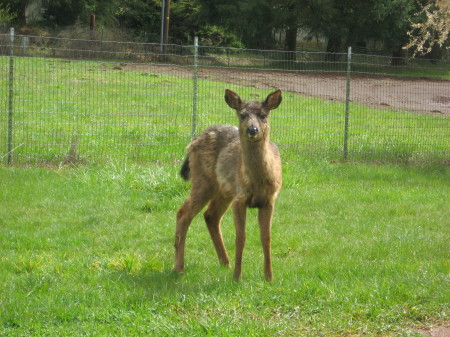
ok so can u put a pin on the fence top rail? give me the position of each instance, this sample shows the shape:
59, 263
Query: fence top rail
212, 56
169, 44
271, 50
92, 40
233, 49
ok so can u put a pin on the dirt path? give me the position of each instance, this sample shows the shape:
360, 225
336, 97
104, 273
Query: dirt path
438, 331
415, 95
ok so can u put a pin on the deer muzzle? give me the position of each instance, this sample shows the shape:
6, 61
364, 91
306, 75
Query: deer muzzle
252, 131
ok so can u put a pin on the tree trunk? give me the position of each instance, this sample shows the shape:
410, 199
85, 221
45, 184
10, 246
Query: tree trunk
333, 48
291, 43
398, 57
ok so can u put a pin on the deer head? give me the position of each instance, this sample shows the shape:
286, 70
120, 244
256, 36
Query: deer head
253, 116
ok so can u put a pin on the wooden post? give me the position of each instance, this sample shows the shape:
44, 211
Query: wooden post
92, 25
166, 24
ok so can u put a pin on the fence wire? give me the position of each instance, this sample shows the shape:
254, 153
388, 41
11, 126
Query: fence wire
85, 101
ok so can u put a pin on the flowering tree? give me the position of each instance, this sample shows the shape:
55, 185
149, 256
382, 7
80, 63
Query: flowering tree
431, 27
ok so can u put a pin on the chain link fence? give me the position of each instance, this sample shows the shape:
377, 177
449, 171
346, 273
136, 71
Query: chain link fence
87, 101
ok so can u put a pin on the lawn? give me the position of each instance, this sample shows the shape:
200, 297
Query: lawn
86, 249
358, 250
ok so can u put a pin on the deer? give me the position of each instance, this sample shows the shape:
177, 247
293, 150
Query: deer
238, 166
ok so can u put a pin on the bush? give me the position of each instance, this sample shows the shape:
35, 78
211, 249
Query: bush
218, 37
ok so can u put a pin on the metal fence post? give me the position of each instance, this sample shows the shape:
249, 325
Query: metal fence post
194, 93
11, 95
347, 102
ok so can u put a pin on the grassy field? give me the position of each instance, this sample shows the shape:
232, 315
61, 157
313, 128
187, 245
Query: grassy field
358, 250
95, 112
86, 250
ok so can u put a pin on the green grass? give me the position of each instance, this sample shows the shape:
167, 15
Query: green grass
89, 112
358, 250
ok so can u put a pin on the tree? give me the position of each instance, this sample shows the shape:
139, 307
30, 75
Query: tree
430, 27
65, 12
184, 20
6, 16
347, 22
390, 24
142, 18
286, 14
252, 21
350, 23
17, 7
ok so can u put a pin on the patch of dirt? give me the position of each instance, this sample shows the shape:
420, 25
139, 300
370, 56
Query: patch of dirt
438, 331
409, 94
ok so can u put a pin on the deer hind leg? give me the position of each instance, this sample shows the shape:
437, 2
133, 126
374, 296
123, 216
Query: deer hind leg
190, 208
265, 225
240, 213
213, 215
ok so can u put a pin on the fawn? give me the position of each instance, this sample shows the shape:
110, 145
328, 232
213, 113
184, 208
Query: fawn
228, 165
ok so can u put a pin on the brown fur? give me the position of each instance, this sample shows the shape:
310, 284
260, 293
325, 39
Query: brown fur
228, 165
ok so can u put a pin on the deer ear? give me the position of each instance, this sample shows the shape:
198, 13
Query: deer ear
273, 100
233, 100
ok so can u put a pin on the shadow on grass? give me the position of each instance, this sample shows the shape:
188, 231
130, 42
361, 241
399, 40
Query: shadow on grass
166, 282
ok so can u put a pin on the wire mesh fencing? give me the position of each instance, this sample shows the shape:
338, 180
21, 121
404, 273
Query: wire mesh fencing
86, 101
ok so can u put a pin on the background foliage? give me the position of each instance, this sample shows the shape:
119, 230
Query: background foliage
391, 24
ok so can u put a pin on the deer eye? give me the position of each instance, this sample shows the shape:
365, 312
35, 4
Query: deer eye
262, 117
243, 117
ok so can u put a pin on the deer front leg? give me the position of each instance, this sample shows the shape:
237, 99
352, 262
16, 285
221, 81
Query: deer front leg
239, 211
265, 225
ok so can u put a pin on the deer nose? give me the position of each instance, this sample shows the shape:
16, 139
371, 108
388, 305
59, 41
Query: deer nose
252, 130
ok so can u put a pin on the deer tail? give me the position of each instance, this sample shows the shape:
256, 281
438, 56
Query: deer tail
185, 169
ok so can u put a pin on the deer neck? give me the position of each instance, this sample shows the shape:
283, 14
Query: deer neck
255, 157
